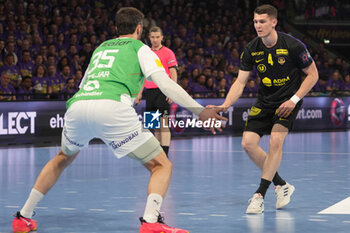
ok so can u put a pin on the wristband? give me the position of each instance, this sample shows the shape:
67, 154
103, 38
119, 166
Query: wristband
295, 99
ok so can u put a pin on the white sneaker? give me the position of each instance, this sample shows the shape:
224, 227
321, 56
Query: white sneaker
256, 205
283, 194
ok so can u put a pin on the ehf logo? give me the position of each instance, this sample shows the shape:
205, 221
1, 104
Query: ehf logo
151, 120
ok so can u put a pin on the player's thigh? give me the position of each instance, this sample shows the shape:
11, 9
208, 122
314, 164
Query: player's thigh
259, 120
288, 122
76, 132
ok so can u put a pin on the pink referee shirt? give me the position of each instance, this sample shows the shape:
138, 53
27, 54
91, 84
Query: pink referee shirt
168, 59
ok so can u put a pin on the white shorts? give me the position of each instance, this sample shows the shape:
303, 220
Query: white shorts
115, 123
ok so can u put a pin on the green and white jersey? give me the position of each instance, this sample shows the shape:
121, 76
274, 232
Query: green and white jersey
117, 67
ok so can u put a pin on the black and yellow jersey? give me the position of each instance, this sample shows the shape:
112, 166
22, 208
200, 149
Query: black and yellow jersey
279, 67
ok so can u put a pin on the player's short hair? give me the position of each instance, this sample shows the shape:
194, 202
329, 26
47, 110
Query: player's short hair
267, 9
127, 19
156, 29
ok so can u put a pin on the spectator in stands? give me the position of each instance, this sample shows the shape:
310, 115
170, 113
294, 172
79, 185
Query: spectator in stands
64, 61
321, 85
41, 84
347, 82
12, 70
39, 60
10, 49
7, 92
77, 78
199, 88
211, 86
25, 65
251, 89
25, 91
222, 90
69, 90
335, 83
66, 73
55, 80
184, 83
2, 50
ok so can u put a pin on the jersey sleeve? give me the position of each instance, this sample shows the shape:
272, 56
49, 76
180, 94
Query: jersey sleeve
172, 62
149, 61
302, 55
246, 60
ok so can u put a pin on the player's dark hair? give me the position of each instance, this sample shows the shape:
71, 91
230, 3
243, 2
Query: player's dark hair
267, 9
127, 19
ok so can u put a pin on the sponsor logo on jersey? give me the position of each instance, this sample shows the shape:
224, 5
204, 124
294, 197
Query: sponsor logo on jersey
267, 82
257, 61
282, 51
281, 60
261, 68
305, 57
254, 111
117, 42
257, 53
280, 81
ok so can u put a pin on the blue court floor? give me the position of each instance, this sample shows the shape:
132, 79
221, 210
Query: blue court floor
212, 181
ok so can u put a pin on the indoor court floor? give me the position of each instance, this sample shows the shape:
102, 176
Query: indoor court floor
212, 181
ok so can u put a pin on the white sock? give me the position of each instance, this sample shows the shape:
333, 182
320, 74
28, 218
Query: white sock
154, 202
34, 197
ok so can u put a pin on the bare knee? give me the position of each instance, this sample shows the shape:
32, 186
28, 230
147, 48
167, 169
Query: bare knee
62, 160
248, 145
276, 142
160, 162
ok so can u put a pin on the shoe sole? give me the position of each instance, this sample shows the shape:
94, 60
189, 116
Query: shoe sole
251, 212
292, 188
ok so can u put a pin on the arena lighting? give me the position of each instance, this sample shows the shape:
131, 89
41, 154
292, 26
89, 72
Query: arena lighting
326, 41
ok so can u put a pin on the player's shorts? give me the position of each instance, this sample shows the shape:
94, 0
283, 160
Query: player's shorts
156, 100
115, 123
261, 120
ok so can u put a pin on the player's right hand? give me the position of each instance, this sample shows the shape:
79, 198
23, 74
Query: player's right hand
211, 114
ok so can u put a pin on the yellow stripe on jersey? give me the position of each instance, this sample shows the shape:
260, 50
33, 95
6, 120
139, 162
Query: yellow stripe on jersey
159, 63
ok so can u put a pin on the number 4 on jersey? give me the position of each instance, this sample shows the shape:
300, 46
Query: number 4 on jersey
269, 59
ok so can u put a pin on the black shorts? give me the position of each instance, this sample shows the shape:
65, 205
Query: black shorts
156, 100
261, 120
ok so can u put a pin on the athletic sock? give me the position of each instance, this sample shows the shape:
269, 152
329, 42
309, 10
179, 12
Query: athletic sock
277, 180
166, 150
154, 202
264, 185
34, 197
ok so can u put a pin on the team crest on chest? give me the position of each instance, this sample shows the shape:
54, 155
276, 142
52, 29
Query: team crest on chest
261, 68
281, 60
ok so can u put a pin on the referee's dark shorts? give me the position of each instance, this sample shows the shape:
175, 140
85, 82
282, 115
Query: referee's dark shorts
156, 100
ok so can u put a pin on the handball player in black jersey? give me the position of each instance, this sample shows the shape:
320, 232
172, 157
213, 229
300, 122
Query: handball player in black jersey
280, 60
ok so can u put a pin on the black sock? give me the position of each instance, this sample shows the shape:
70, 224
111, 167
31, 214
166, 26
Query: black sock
277, 180
264, 185
166, 150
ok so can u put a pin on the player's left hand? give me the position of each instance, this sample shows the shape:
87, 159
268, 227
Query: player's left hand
285, 109
169, 100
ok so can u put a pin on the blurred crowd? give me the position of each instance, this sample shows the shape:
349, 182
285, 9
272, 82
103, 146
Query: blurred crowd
46, 45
